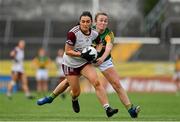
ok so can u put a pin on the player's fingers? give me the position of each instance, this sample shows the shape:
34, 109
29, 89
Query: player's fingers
99, 61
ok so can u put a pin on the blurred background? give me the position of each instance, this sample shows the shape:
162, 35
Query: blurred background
146, 38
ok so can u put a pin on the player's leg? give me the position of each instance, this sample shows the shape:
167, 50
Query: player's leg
63, 95
14, 77
45, 86
39, 86
178, 82
45, 80
25, 86
62, 86
73, 81
112, 76
178, 85
176, 79
39, 81
90, 73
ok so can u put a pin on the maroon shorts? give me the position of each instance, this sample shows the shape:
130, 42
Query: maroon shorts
18, 74
72, 71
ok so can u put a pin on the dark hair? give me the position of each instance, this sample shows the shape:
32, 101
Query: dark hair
86, 13
100, 13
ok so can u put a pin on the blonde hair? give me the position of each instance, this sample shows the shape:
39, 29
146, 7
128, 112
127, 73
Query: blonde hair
100, 13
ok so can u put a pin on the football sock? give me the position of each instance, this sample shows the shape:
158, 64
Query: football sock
74, 99
53, 96
105, 106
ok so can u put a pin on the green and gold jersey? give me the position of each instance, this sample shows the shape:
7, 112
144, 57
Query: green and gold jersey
106, 37
42, 61
177, 65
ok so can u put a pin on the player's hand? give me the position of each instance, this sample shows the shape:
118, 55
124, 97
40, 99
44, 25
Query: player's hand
99, 61
87, 56
96, 60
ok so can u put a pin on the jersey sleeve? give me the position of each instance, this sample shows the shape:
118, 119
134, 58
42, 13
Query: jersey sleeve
71, 39
109, 38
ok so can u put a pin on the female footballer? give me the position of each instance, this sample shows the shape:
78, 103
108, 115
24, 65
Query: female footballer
75, 63
105, 64
18, 72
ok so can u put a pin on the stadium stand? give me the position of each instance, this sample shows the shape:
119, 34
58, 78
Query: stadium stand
45, 23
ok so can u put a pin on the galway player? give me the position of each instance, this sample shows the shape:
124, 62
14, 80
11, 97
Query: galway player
18, 70
76, 63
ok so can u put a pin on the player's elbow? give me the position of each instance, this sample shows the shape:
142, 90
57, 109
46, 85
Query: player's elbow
68, 52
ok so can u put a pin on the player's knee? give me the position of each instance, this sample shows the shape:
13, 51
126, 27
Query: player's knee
96, 84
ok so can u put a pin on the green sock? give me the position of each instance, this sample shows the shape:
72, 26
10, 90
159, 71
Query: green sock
53, 96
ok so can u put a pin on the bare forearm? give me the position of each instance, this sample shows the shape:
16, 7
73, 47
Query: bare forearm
73, 53
69, 50
107, 51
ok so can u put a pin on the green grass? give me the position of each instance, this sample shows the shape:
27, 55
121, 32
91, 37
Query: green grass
155, 107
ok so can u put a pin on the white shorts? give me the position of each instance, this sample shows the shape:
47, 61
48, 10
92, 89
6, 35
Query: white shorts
177, 75
17, 68
42, 74
105, 65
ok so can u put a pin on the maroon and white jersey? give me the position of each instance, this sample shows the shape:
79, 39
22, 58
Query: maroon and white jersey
79, 41
18, 60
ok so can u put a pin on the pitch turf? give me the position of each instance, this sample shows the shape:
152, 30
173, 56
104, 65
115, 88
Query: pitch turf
155, 107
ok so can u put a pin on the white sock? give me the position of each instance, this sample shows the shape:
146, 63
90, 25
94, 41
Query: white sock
106, 106
75, 99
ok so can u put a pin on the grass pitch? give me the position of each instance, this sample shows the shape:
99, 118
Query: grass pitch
154, 107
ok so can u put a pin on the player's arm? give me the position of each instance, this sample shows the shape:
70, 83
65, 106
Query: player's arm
13, 53
35, 63
49, 61
69, 46
69, 50
109, 44
57, 63
50, 65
